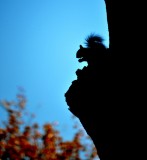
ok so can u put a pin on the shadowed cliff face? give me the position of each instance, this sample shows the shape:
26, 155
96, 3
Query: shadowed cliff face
90, 96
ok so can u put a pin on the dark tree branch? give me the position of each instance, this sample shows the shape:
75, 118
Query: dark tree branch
107, 97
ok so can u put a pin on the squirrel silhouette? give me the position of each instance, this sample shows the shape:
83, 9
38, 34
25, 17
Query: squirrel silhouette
95, 51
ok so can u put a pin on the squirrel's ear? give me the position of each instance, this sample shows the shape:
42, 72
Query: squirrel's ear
81, 46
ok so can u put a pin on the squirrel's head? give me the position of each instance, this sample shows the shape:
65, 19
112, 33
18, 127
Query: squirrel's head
81, 54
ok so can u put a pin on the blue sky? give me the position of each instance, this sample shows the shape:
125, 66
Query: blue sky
38, 43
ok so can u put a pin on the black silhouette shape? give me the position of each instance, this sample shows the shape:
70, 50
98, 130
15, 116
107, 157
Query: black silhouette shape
94, 53
91, 89
109, 96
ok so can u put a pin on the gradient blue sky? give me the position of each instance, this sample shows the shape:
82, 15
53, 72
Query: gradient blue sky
38, 43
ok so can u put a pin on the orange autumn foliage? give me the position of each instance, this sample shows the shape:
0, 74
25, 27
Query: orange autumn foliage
19, 141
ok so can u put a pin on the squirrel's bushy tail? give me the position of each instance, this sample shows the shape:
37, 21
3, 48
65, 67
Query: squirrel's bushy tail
93, 40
